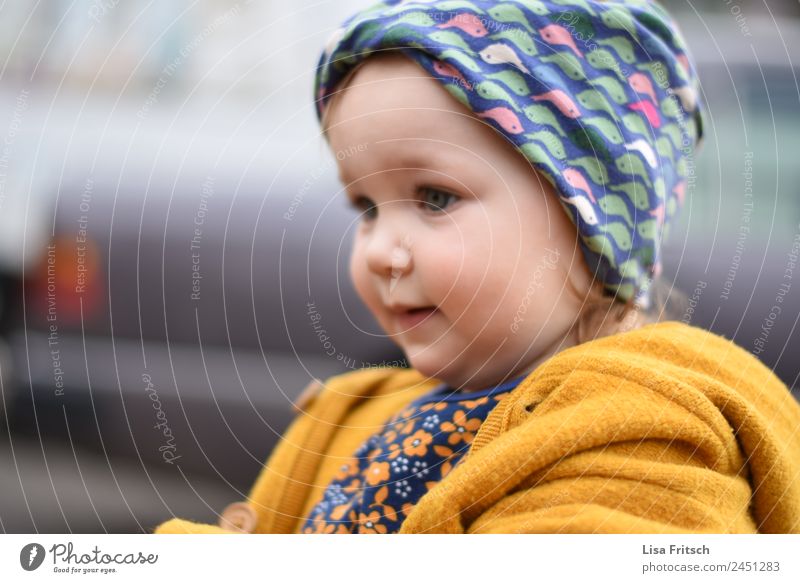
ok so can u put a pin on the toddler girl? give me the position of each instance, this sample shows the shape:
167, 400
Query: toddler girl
515, 166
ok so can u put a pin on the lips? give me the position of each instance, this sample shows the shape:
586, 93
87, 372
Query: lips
415, 316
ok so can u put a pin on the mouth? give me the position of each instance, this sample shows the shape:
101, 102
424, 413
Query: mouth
415, 316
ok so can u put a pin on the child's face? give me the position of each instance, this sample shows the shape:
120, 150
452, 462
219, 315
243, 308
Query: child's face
454, 218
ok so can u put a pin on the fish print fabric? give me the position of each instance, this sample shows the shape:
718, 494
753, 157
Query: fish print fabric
375, 490
601, 97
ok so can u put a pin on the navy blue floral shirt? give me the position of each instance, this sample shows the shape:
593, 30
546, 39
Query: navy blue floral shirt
375, 490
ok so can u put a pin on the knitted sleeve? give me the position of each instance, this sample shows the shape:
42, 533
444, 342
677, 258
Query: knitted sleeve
181, 526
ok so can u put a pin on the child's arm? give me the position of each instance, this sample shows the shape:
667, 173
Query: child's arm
276, 499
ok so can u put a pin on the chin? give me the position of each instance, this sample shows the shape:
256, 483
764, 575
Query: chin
429, 363
420, 361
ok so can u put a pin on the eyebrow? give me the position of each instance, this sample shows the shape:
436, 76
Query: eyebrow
417, 160
409, 160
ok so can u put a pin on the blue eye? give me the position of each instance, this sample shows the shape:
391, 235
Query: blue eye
432, 199
436, 200
365, 207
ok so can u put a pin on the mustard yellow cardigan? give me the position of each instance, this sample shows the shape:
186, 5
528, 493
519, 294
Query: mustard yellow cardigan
664, 429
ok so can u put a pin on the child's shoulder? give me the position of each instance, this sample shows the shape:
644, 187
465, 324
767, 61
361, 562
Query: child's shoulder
672, 350
668, 340
362, 383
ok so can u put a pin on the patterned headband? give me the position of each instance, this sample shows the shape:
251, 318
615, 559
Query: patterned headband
601, 97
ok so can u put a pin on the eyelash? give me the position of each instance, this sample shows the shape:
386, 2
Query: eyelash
358, 205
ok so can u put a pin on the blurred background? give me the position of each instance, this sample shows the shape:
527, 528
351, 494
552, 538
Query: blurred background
168, 210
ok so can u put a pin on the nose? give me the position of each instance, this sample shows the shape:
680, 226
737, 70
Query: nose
388, 251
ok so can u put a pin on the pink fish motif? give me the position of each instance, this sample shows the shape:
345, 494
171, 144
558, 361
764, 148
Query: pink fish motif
562, 101
556, 34
658, 213
504, 117
656, 269
684, 61
576, 180
642, 84
649, 110
448, 70
467, 22
680, 191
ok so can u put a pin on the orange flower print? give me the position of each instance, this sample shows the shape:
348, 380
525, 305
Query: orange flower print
390, 513
365, 447
369, 523
338, 512
447, 465
405, 426
380, 497
381, 494
322, 527
434, 406
443, 451
475, 403
352, 487
394, 451
417, 443
377, 472
346, 470
407, 412
461, 429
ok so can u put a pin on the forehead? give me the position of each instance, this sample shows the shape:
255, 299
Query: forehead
391, 97
393, 110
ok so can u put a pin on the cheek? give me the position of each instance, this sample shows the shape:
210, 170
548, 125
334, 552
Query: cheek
469, 264
360, 276
505, 263
440, 271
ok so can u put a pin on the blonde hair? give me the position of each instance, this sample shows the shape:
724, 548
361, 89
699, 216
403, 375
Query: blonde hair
336, 96
604, 315
601, 314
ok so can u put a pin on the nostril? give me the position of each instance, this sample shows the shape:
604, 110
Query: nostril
530, 407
